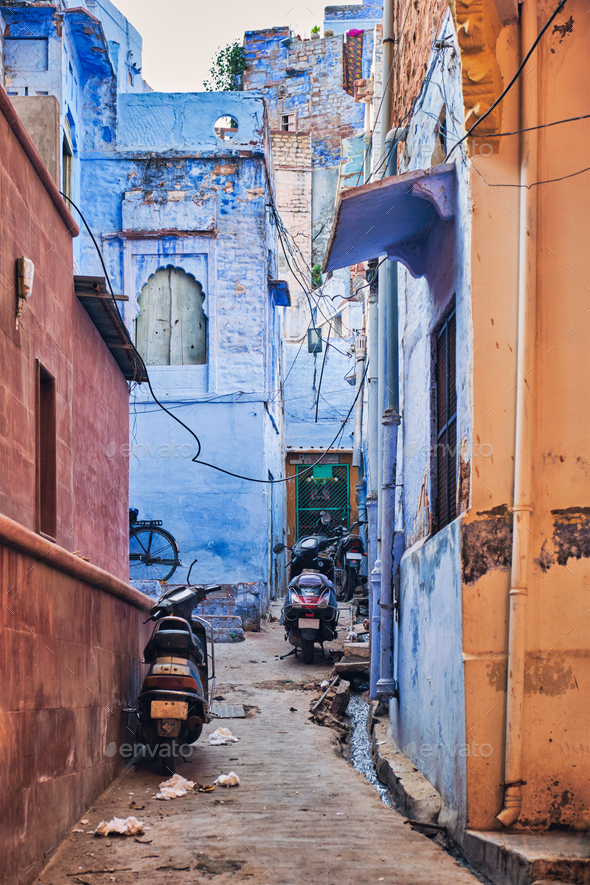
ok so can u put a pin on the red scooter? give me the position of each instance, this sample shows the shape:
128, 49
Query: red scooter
310, 613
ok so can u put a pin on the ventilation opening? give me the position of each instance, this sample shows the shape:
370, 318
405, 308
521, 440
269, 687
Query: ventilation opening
225, 128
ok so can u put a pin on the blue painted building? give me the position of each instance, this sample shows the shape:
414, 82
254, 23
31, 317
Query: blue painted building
317, 130
177, 189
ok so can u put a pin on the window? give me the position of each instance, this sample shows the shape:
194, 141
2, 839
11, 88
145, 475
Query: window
46, 453
446, 422
171, 327
67, 168
288, 123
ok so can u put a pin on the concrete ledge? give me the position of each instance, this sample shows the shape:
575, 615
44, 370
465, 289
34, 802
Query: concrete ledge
48, 552
516, 858
413, 794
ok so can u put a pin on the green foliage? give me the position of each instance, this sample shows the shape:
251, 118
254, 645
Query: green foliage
316, 276
227, 71
315, 29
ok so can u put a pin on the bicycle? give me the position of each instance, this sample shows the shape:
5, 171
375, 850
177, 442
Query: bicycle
153, 552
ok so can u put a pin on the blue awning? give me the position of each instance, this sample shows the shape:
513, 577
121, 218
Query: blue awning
399, 216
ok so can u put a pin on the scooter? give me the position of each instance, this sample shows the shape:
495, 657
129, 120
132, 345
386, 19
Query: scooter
310, 613
306, 553
348, 557
177, 692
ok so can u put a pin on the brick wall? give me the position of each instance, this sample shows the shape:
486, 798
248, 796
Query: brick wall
417, 25
305, 79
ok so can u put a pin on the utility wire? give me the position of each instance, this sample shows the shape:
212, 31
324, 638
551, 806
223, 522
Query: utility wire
541, 126
534, 183
519, 70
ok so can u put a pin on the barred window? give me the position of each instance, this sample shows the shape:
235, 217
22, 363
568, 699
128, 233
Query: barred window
446, 423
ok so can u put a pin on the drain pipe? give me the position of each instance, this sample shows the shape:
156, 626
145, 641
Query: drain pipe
386, 110
386, 688
360, 352
371, 499
521, 532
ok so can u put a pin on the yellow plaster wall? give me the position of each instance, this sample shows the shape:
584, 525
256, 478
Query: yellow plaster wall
556, 713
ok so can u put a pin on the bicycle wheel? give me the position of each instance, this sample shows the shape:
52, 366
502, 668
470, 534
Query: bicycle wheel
153, 554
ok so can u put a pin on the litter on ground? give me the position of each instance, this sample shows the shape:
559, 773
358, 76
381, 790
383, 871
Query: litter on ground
174, 787
119, 826
228, 780
222, 736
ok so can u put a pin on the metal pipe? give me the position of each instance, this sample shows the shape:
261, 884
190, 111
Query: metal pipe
360, 352
386, 111
386, 684
375, 611
521, 549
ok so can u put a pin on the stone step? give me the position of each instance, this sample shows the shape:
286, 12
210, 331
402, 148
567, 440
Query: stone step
226, 628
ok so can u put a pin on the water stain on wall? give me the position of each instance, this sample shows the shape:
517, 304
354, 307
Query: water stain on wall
571, 538
487, 543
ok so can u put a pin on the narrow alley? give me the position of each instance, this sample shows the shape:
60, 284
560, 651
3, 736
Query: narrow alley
301, 813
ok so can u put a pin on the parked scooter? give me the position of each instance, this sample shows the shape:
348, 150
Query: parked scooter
306, 553
348, 557
176, 695
310, 613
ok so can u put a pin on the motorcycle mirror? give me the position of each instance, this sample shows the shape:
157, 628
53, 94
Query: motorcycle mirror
278, 548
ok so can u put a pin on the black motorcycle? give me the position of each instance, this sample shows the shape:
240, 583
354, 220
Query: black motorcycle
310, 613
176, 694
348, 559
306, 553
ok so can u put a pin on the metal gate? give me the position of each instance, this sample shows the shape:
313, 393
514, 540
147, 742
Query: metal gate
325, 490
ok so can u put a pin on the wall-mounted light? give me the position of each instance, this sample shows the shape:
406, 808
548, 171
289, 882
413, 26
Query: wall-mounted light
314, 341
25, 275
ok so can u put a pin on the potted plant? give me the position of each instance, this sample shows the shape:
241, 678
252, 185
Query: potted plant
315, 33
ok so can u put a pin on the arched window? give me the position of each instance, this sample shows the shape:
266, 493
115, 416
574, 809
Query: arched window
171, 327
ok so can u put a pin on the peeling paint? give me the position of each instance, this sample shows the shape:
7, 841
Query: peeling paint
487, 544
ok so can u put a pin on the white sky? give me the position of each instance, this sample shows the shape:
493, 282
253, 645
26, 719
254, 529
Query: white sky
180, 37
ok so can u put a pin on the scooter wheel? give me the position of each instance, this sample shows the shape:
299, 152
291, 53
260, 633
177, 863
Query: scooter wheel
308, 650
168, 758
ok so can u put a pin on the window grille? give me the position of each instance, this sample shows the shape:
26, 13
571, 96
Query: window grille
446, 422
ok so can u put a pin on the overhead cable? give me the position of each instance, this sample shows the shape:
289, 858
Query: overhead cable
519, 70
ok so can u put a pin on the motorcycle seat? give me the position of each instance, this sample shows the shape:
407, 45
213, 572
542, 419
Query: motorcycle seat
174, 635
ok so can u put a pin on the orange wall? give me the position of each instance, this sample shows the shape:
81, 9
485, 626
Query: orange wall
556, 718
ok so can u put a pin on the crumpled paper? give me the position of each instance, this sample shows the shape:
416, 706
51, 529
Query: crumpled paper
174, 787
222, 736
228, 780
128, 826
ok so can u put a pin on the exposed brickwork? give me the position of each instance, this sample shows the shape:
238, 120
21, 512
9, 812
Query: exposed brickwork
417, 25
305, 79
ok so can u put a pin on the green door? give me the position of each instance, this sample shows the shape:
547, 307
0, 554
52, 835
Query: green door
325, 489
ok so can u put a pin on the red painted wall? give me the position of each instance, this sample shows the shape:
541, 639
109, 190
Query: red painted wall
70, 652
92, 398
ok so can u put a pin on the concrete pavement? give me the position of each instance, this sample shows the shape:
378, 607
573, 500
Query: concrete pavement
301, 814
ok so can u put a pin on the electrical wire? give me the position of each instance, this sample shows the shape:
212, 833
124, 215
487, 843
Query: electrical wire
519, 70
196, 459
541, 126
534, 183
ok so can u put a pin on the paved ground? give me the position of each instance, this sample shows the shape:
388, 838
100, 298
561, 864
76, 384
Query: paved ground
300, 815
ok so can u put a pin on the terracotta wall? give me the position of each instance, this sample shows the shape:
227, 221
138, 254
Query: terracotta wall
70, 651
71, 660
91, 393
